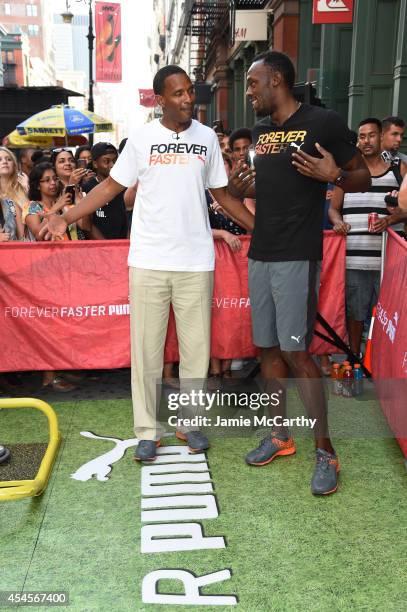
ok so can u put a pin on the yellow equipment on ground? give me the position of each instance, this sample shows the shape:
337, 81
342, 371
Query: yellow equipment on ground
18, 489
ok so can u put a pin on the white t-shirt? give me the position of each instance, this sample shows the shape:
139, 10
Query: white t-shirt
170, 227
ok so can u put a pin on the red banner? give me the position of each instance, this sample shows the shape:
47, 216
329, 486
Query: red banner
108, 42
390, 338
65, 305
147, 97
332, 11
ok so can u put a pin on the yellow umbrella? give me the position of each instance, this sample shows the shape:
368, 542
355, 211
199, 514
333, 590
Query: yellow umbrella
63, 120
15, 141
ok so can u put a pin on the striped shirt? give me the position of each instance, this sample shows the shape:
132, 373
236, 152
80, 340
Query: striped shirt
363, 249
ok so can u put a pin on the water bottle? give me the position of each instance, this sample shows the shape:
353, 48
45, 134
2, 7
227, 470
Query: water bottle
343, 365
348, 382
358, 376
336, 379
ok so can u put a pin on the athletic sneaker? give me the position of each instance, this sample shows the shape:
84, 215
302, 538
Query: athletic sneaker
325, 478
146, 450
196, 441
273, 446
4, 454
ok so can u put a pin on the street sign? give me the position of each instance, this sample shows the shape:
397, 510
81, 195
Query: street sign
332, 11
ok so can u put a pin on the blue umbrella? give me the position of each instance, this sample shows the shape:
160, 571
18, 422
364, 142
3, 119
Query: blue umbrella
63, 120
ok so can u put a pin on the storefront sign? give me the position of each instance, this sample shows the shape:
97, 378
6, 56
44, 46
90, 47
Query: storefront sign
251, 25
332, 11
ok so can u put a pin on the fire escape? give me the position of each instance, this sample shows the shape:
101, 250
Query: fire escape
207, 18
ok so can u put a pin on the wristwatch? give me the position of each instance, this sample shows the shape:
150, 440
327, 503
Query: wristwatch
341, 178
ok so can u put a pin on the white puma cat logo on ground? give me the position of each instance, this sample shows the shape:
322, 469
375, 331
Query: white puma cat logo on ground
102, 466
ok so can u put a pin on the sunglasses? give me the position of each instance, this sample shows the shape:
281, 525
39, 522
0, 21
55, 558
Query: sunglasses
60, 149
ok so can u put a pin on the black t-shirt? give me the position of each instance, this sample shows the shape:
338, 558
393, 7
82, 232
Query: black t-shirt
111, 219
289, 206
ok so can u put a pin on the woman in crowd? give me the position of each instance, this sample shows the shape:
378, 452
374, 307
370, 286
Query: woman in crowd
68, 174
11, 187
83, 159
11, 224
83, 152
12, 199
65, 168
43, 195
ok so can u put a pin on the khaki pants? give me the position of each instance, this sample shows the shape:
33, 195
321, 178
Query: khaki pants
151, 293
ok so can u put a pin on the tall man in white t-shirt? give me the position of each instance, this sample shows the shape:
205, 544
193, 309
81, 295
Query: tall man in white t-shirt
171, 256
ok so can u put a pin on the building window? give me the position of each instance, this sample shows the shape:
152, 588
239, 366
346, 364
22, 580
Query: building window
33, 30
31, 10
7, 57
10, 75
7, 9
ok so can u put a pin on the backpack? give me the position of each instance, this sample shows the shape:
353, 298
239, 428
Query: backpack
395, 168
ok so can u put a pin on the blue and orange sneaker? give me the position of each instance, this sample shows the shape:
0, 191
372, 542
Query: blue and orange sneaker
196, 441
274, 445
146, 450
325, 478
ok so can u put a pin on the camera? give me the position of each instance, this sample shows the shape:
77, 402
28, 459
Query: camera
391, 200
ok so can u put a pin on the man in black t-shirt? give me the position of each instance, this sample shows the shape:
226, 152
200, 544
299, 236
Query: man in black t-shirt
110, 221
298, 150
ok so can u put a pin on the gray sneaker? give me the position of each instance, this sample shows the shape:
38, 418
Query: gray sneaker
274, 445
196, 441
4, 454
325, 478
146, 450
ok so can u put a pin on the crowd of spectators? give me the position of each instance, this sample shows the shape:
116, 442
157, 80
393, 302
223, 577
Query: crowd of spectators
53, 180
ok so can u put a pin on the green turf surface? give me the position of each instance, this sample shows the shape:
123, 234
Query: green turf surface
287, 550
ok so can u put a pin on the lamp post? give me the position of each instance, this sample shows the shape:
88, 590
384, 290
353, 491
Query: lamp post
67, 18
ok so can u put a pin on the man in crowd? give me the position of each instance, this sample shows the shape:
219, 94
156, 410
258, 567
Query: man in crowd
349, 216
171, 254
240, 141
392, 138
26, 165
223, 137
109, 222
299, 149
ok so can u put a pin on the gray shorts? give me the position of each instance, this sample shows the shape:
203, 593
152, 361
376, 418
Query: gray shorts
362, 292
284, 300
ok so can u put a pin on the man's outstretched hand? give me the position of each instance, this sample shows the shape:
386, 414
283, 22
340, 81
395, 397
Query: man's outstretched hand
53, 228
321, 169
